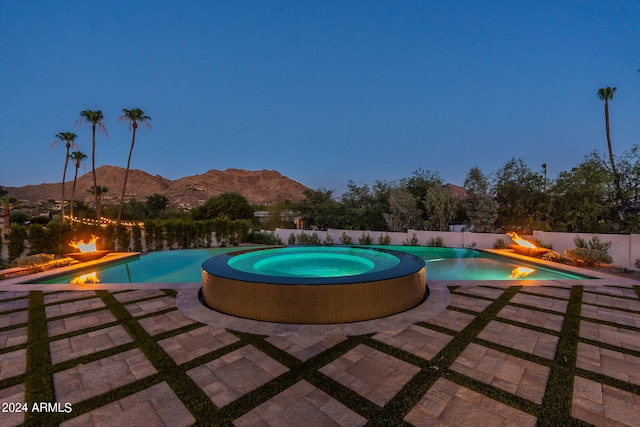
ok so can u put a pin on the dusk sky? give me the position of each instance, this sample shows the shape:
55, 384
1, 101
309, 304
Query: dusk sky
324, 92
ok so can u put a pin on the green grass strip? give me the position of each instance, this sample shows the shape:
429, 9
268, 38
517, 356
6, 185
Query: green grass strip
558, 397
39, 380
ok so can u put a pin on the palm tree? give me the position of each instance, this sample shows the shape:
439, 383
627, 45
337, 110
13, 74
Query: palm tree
605, 94
134, 117
76, 157
94, 117
7, 202
98, 196
69, 139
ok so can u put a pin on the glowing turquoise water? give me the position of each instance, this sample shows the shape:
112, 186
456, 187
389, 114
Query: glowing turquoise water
316, 262
442, 264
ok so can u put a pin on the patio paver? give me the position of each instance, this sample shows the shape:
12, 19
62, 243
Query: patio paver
84, 381
603, 405
449, 404
518, 338
517, 376
158, 405
493, 369
235, 374
371, 373
614, 364
301, 405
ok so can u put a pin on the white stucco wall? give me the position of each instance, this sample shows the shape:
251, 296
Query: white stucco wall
625, 248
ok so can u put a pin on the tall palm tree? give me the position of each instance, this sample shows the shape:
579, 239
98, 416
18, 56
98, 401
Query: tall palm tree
605, 94
76, 157
69, 139
134, 117
95, 118
97, 193
7, 202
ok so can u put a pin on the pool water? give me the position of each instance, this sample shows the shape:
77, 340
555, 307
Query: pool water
442, 264
320, 261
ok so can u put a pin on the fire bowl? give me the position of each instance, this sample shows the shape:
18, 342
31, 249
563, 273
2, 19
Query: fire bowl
523, 250
87, 256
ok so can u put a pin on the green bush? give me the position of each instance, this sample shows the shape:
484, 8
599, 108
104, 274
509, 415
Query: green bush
594, 243
302, 238
35, 259
436, 242
345, 239
309, 239
17, 236
587, 256
579, 242
37, 239
365, 239
499, 244
314, 239
292, 239
328, 240
123, 237
264, 238
384, 239
412, 242
136, 232
638, 264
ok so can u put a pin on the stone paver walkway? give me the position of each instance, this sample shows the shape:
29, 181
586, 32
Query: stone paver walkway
492, 355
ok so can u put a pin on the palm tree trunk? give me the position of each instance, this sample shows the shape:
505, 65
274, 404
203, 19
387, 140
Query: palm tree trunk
93, 167
64, 176
7, 219
126, 173
73, 193
616, 177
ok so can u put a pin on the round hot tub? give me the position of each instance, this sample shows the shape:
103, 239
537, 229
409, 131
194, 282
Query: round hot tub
334, 284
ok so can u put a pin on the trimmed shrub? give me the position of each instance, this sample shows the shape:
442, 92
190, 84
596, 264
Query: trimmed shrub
292, 239
412, 242
136, 231
123, 237
264, 238
499, 244
365, 239
328, 240
587, 256
35, 259
384, 239
436, 242
17, 236
345, 239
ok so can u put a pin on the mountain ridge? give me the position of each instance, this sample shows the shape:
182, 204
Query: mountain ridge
258, 187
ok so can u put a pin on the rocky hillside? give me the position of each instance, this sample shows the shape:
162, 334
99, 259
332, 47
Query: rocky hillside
258, 187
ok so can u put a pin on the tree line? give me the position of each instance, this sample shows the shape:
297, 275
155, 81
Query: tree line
586, 198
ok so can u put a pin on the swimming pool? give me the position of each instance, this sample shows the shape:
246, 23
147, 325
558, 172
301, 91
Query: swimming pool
442, 264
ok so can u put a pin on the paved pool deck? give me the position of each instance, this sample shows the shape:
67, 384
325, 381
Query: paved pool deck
475, 353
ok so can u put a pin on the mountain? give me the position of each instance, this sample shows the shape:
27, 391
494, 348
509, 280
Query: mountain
258, 187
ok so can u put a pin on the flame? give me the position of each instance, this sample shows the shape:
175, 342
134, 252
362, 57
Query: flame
520, 241
520, 272
85, 247
86, 278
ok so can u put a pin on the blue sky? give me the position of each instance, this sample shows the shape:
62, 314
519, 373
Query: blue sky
324, 92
